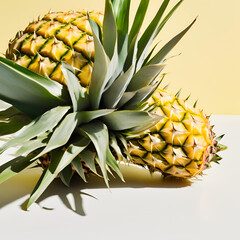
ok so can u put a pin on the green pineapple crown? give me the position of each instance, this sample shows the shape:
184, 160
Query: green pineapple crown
66, 121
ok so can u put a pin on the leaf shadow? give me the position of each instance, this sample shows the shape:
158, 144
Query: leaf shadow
23, 185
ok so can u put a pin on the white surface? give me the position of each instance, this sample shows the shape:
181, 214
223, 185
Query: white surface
143, 208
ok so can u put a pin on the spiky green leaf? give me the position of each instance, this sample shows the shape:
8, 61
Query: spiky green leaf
100, 69
222, 147
138, 20
178, 93
37, 127
116, 148
145, 76
59, 160
65, 129
168, 16
126, 119
98, 133
109, 30
132, 54
88, 157
28, 91
158, 58
150, 54
114, 94
121, 12
79, 168
141, 96
126, 97
66, 175
111, 162
32, 145
136, 131
78, 94
149, 34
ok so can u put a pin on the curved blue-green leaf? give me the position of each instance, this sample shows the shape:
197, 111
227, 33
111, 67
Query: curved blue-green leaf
150, 54
149, 34
144, 76
140, 96
100, 69
66, 175
88, 157
62, 133
116, 148
111, 162
109, 30
98, 133
158, 58
37, 127
116, 65
88, 116
59, 160
79, 168
126, 97
110, 44
113, 69
114, 94
136, 131
121, 12
28, 91
65, 129
139, 101
126, 119
168, 16
124, 143
32, 145
78, 94
132, 54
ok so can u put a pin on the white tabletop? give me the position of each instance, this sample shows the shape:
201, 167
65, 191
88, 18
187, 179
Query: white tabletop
144, 207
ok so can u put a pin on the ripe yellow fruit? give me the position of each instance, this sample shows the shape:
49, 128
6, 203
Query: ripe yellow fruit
182, 144
57, 37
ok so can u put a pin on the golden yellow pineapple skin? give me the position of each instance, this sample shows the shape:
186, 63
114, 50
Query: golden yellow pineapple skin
57, 37
181, 144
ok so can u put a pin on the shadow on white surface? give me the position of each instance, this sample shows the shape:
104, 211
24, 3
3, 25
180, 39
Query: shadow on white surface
21, 186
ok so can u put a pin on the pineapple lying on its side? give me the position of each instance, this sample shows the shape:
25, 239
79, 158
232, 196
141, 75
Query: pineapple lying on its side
97, 111
182, 144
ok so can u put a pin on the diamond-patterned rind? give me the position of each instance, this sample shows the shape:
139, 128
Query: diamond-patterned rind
180, 144
57, 37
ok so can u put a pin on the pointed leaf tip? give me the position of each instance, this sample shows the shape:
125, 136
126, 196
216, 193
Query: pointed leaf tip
78, 94
158, 58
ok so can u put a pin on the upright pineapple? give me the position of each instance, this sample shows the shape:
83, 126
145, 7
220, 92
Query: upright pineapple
94, 114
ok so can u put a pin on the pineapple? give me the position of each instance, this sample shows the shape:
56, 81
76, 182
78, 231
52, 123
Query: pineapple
79, 84
182, 144
57, 37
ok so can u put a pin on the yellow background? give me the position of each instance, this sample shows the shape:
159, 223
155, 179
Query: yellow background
208, 67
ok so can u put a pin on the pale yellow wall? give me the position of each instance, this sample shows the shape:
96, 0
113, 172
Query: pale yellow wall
209, 65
